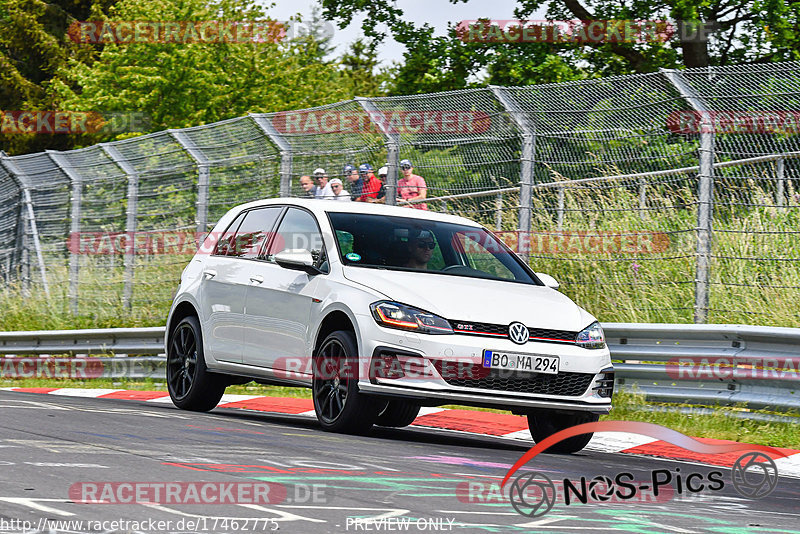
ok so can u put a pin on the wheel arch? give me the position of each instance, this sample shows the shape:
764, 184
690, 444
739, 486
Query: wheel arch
333, 321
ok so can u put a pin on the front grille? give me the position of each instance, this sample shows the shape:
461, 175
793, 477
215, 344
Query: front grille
476, 376
541, 335
480, 329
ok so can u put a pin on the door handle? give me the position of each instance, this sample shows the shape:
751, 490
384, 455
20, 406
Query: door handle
257, 279
209, 273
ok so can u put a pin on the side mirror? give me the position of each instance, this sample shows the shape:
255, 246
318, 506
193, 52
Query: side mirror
297, 259
548, 280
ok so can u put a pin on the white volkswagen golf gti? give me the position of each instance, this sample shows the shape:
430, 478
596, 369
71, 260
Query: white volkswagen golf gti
381, 310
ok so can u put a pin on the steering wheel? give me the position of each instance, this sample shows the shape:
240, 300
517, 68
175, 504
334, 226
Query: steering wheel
451, 268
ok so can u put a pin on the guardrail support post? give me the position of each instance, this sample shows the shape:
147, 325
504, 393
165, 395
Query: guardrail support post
203, 178
705, 193
130, 220
780, 172
377, 118
28, 218
74, 240
285, 148
527, 160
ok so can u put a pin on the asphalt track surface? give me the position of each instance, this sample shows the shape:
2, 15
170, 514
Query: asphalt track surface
412, 480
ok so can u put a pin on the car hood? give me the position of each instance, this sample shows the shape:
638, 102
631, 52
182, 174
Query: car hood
474, 299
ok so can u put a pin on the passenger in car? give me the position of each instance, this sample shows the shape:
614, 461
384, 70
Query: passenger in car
420, 249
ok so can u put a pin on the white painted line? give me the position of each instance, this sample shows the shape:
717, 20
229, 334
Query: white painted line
789, 466
523, 435
617, 441
82, 392
162, 400
428, 410
230, 397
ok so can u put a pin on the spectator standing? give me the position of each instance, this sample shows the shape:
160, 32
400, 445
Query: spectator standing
307, 184
356, 183
371, 185
323, 187
339, 192
411, 186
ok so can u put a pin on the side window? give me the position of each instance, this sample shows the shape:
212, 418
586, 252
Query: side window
253, 232
224, 242
298, 230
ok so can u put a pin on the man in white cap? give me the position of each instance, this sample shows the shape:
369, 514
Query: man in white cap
338, 191
323, 187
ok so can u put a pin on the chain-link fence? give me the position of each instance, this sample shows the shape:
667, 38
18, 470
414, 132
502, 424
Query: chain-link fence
663, 197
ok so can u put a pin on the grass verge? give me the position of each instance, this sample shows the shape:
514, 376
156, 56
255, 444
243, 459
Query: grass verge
721, 424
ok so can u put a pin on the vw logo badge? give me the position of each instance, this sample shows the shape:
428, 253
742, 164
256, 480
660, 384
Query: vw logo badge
518, 333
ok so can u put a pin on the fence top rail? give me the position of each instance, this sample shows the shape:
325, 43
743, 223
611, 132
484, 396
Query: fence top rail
618, 177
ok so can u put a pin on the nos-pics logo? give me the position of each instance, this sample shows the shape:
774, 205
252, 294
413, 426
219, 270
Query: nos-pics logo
754, 474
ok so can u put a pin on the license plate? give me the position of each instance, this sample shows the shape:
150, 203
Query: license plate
534, 363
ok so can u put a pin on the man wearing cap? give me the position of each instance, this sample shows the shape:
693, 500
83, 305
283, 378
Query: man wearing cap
356, 183
411, 186
323, 187
339, 192
371, 185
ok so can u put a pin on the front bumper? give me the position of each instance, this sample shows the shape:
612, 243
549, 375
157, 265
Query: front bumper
584, 374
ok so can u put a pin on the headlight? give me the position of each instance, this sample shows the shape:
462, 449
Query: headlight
592, 337
404, 317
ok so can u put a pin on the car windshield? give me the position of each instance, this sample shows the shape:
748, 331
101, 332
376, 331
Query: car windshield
410, 244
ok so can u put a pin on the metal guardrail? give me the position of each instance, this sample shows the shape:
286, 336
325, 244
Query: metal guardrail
708, 364
678, 363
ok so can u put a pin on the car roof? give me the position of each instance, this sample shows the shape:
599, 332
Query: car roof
320, 207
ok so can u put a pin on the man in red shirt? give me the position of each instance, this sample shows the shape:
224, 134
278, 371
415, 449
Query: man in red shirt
411, 186
369, 191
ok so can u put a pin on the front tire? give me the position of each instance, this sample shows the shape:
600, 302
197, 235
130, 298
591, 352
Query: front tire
337, 402
191, 386
544, 424
397, 413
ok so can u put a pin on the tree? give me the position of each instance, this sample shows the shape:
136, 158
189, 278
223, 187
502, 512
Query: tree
744, 31
33, 46
360, 67
182, 84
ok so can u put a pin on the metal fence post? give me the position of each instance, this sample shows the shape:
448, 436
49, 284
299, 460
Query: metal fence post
780, 174
642, 198
377, 118
498, 212
203, 178
560, 224
705, 193
76, 192
285, 148
528, 129
130, 219
28, 218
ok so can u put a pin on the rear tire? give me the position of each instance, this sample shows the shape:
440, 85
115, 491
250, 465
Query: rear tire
337, 402
397, 413
191, 386
544, 424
